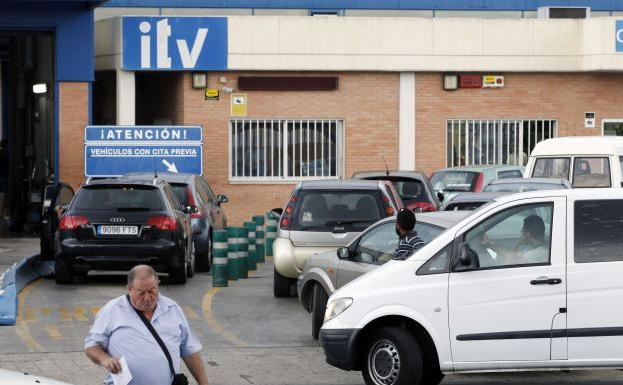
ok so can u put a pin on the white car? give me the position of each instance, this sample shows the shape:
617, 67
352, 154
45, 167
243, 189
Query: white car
9, 377
530, 281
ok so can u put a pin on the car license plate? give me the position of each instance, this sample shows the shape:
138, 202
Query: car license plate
118, 230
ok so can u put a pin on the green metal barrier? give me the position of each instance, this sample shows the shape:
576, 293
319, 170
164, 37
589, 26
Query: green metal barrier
233, 243
260, 250
243, 252
250, 226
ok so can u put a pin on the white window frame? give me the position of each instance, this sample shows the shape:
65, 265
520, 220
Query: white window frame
340, 126
480, 123
604, 121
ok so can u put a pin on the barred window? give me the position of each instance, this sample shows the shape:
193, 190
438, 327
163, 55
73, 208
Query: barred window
478, 142
285, 149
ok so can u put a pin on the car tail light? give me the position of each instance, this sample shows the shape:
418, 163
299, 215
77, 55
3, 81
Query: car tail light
389, 210
286, 217
163, 222
425, 206
70, 222
480, 178
191, 201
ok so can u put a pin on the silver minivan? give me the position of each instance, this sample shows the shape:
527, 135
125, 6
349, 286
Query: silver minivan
321, 216
326, 272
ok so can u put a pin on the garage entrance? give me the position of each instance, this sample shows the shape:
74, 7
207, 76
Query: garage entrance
27, 134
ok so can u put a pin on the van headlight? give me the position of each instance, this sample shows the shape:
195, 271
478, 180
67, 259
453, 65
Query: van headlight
337, 307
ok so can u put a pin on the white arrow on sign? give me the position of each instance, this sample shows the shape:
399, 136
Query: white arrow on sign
170, 166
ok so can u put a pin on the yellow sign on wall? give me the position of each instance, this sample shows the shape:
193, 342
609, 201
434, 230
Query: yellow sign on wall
239, 105
211, 94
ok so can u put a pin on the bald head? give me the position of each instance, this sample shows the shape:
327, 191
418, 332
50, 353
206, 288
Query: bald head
141, 272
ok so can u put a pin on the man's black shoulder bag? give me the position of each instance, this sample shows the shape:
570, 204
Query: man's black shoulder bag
178, 378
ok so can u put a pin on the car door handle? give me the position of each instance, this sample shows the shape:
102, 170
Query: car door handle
546, 281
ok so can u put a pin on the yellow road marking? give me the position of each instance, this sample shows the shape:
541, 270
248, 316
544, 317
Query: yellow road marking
29, 315
206, 306
21, 328
80, 314
94, 310
190, 313
54, 332
64, 314
46, 311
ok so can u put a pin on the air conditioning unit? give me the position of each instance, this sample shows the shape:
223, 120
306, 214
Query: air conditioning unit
564, 12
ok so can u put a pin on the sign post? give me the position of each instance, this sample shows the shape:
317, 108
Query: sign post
118, 150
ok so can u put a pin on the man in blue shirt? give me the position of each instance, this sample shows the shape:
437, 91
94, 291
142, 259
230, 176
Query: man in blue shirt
119, 332
408, 240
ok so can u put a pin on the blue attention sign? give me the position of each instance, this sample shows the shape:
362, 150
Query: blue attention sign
619, 36
118, 150
174, 43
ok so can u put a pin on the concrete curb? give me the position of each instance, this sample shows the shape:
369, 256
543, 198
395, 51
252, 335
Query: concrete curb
15, 279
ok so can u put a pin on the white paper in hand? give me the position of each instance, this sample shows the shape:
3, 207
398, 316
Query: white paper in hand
124, 377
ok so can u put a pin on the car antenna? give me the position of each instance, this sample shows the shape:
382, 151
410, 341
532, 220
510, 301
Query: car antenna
386, 168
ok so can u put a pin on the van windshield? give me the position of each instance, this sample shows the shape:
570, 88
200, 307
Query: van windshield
336, 211
557, 168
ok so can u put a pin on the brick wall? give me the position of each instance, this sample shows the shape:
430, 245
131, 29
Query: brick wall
368, 103
562, 96
73, 102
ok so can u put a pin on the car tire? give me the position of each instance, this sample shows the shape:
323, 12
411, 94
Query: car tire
392, 357
204, 261
318, 307
281, 285
62, 272
177, 275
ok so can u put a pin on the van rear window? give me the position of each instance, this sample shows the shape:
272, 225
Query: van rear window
336, 211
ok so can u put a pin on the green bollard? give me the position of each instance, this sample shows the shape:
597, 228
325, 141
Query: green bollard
271, 234
250, 226
259, 238
232, 253
243, 252
219, 260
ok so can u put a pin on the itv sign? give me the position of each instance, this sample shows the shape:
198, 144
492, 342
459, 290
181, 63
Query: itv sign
619, 36
174, 43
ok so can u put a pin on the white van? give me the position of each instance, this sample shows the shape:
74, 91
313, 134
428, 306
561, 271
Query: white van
586, 161
531, 281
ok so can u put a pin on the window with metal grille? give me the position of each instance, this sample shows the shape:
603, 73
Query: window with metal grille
473, 142
285, 149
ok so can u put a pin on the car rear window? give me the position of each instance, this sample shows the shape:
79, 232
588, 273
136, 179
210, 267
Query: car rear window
453, 180
180, 192
332, 210
410, 190
119, 197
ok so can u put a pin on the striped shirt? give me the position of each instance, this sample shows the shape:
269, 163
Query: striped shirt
407, 244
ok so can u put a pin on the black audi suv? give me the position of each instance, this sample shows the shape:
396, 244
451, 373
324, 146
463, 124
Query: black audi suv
115, 224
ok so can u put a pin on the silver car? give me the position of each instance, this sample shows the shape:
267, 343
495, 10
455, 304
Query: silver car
326, 272
321, 216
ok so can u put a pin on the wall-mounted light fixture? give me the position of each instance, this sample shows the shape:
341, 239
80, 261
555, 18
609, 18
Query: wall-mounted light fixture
450, 81
200, 80
39, 88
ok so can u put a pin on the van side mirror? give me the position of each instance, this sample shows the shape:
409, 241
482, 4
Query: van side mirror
440, 196
190, 209
343, 253
465, 257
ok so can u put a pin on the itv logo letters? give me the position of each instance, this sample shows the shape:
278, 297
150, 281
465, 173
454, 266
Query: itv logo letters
174, 43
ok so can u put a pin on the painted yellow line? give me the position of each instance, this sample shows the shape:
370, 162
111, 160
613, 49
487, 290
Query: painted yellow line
190, 313
64, 314
46, 311
80, 314
94, 310
30, 315
206, 306
21, 328
54, 332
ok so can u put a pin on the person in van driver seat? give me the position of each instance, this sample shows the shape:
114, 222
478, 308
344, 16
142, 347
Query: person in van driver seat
532, 247
408, 238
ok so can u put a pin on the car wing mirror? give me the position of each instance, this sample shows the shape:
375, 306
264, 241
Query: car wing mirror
440, 196
467, 258
221, 199
190, 209
343, 253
